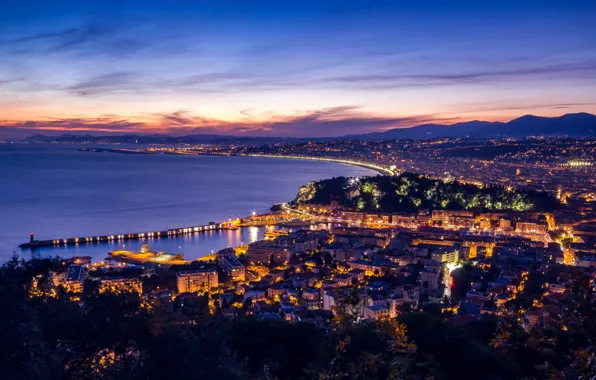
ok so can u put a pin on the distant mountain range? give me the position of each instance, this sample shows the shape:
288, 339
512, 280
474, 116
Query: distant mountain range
575, 125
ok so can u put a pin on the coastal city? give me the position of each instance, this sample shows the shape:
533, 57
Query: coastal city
375, 248
298, 190
553, 164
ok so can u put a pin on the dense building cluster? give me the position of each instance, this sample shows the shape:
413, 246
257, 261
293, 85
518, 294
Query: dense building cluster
540, 163
555, 163
468, 263
467, 281
379, 269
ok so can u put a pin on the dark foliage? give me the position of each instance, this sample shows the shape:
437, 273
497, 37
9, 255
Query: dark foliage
46, 334
410, 192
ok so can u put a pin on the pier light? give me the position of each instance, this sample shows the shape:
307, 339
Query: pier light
64, 241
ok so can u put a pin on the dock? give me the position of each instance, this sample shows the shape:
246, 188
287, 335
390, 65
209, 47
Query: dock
212, 226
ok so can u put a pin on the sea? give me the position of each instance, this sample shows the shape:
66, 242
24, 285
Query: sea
57, 191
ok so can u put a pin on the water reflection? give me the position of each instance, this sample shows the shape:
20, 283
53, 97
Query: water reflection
192, 246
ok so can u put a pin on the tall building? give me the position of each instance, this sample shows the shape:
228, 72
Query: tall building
447, 255
73, 280
191, 281
263, 251
230, 264
431, 277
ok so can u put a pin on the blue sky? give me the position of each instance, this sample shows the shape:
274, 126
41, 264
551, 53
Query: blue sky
308, 68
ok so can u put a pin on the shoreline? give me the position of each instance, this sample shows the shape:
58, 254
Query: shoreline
368, 165
33, 244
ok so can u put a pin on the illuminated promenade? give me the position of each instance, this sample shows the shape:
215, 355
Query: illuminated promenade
392, 170
369, 165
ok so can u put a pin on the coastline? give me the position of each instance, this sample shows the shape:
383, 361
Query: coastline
62, 234
368, 165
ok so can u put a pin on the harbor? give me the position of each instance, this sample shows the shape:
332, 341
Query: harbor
288, 218
194, 242
33, 243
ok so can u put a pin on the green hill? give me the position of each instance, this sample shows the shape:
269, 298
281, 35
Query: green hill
409, 192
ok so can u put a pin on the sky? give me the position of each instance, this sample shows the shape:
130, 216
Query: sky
289, 68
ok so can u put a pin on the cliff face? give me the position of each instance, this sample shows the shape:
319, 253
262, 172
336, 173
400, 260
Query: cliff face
306, 193
409, 192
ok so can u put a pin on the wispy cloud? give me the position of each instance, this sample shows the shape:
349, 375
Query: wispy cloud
55, 41
99, 124
106, 83
335, 121
248, 80
517, 106
586, 70
83, 41
4, 81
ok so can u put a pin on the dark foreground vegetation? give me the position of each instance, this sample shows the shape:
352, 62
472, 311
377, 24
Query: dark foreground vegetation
48, 334
409, 192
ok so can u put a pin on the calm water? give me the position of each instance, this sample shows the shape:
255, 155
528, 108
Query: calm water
58, 192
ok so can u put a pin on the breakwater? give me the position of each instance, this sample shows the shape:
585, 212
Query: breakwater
212, 226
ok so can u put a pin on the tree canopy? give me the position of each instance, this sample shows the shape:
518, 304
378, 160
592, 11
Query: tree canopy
409, 192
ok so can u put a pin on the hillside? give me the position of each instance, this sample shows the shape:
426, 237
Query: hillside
578, 125
409, 192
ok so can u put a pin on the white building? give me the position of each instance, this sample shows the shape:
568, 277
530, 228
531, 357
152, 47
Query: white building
191, 281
